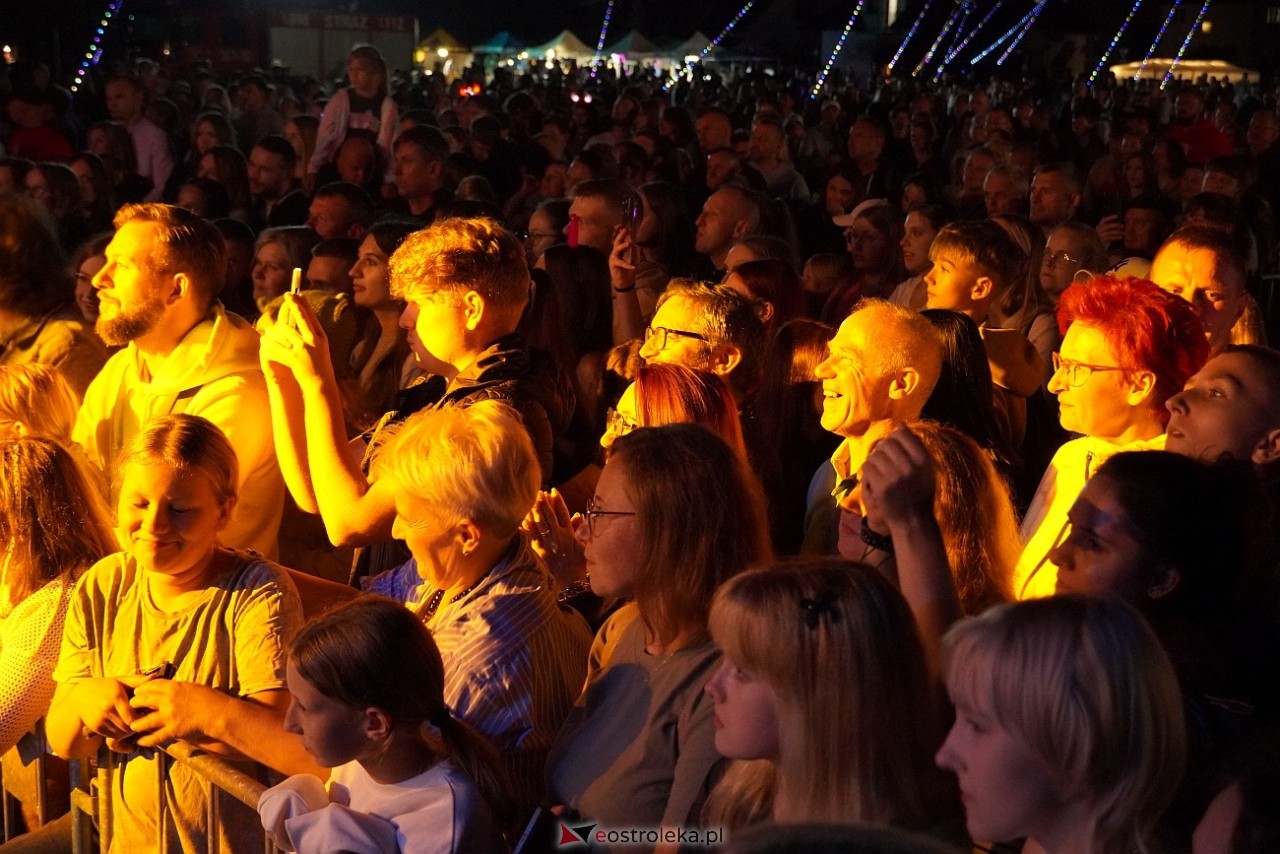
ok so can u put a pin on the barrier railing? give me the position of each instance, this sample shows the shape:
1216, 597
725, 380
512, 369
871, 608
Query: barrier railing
91, 809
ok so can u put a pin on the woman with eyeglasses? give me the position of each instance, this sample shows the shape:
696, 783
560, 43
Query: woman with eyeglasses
661, 394
1126, 349
676, 513
1070, 248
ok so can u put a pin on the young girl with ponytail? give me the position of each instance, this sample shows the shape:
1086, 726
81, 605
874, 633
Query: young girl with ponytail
368, 702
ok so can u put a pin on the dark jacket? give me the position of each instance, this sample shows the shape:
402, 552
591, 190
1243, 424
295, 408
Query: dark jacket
525, 378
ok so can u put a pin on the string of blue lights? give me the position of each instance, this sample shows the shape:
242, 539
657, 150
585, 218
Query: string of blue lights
1159, 36
937, 43
835, 52
604, 31
965, 43
93, 54
1168, 75
1014, 30
1035, 13
911, 33
1106, 54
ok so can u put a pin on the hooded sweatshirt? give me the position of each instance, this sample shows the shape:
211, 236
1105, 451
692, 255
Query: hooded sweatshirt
213, 373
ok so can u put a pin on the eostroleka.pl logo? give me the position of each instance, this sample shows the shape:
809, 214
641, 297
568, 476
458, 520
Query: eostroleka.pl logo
585, 834
574, 835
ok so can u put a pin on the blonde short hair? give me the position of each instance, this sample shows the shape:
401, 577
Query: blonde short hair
1085, 684
37, 398
475, 462
461, 254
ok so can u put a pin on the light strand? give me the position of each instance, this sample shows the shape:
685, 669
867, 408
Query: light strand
966, 8
604, 31
937, 43
714, 43
911, 33
1106, 54
1159, 36
1035, 13
93, 53
835, 52
965, 43
1168, 75
1016, 28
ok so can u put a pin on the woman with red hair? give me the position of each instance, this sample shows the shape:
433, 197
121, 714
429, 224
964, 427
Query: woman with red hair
1126, 349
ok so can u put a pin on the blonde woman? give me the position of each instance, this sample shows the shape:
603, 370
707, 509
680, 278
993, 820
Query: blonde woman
824, 702
1069, 729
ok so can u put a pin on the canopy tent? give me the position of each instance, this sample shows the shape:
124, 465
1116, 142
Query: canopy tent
442, 39
502, 42
693, 45
565, 45
634, 46
1187, 68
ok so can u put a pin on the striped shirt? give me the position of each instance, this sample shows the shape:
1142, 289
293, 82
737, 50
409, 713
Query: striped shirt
515, 661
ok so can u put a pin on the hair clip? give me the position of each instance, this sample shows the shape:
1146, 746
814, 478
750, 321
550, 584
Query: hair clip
815, 608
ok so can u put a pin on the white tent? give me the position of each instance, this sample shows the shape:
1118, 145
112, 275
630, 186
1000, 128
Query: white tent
565, 45
633, 46
1187, 69
693, 45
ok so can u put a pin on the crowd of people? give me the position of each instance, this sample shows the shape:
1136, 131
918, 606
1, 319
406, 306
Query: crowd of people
895, 469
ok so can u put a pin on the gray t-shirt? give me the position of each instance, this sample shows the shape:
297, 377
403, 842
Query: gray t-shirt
235, 639
638, 749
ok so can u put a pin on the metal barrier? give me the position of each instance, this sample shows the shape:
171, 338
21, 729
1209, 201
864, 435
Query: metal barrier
33, 785
91, 809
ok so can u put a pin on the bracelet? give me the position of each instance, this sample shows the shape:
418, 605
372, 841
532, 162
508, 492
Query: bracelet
877, 540
624, 290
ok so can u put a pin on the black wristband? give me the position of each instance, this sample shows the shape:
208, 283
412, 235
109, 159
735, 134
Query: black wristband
624, 290
875, 539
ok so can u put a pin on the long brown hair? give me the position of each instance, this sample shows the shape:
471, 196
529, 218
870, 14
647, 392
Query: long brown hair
53, 522
701, 517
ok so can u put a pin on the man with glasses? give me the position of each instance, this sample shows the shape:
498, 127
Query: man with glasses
708, 327
1129, 347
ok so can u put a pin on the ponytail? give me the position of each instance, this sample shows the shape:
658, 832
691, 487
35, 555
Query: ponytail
476, 757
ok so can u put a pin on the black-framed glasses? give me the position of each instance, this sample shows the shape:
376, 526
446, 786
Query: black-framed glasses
593, 511
663, 335
617, 423
1078, 373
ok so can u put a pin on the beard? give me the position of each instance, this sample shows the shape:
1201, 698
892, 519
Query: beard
118, 325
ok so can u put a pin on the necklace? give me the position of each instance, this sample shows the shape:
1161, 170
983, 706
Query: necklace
433, 604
